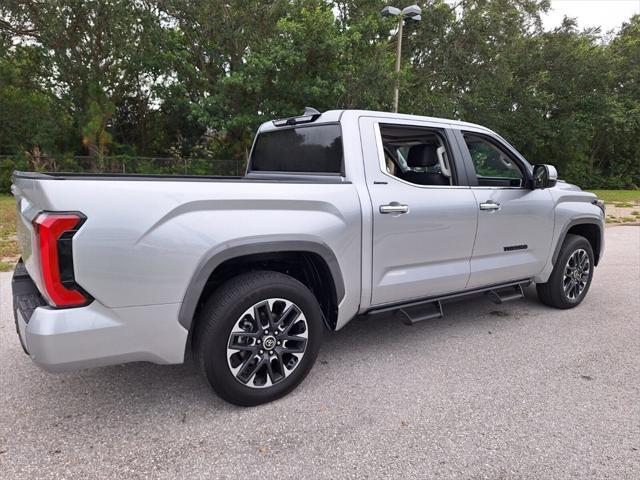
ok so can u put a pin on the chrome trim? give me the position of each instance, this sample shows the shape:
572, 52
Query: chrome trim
394, 207
478, 187
490, 206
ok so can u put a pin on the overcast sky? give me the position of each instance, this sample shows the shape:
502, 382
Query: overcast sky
608, 14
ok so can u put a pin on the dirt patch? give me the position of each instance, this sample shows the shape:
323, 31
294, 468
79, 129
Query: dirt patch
623, 213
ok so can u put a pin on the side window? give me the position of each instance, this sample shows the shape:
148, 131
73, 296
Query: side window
417, 155
493, 166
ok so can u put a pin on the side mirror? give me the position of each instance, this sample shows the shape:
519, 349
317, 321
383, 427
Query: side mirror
544, 176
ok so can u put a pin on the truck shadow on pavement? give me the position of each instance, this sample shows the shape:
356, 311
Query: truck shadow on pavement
177, 391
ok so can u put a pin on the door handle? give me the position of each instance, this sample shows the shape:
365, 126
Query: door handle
490, 206
394, 207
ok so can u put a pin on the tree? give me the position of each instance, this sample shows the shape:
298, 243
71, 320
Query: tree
185, 78
31, 122
98, 52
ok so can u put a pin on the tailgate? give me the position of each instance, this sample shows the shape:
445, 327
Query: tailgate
29, 203
45, 237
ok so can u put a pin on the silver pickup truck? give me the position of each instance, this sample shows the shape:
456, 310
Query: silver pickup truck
340, 214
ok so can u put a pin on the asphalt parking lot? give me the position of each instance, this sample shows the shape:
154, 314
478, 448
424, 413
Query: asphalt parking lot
491, 391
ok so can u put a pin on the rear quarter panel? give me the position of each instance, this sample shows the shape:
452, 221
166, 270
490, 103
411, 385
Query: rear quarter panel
143, 240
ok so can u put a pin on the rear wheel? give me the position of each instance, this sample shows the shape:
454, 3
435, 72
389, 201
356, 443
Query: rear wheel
571, 276
258, 336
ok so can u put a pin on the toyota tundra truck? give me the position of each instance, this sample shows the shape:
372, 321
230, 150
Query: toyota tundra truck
339, 215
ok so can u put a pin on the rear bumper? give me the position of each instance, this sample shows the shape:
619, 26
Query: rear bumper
26, 298
92, 336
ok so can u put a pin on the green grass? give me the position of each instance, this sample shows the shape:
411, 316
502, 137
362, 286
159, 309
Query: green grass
9, 251
618, 196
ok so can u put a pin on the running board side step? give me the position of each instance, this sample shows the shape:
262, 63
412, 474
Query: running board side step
431, 307
418, 313
506, 294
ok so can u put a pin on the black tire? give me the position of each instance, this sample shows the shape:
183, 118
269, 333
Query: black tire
553, 292
221, 315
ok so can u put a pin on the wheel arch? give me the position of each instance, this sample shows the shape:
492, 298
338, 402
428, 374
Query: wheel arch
313, 264
589, 228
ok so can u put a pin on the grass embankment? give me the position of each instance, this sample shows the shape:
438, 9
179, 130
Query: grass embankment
618, 196
623, 206
9, 251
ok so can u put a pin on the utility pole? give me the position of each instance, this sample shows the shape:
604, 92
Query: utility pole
414, 13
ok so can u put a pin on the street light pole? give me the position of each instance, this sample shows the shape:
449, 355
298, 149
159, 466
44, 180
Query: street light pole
396, 92
413, 12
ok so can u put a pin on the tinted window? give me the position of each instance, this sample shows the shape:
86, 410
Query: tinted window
492, 164
313, 149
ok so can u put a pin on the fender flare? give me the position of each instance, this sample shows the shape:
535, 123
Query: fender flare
573, 223
208, 265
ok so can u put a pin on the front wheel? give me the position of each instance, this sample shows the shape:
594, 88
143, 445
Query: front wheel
258, 336
571, 276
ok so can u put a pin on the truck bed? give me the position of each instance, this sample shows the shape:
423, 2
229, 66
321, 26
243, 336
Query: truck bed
146, 236
253, 177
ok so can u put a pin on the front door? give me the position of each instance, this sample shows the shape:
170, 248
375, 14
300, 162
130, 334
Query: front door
515, 223
423, 222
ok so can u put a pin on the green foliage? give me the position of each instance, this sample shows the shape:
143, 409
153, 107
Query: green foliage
7, 166
30, 113
117, 79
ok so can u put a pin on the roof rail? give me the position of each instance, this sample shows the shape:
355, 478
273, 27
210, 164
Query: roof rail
310, 114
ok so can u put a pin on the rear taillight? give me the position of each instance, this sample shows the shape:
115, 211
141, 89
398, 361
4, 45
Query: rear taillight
54, 233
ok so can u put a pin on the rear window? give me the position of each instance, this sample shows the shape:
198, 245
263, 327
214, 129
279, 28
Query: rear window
311, 149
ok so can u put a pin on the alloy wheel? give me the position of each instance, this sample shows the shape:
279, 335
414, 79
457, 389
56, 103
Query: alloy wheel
267, 343
576, 274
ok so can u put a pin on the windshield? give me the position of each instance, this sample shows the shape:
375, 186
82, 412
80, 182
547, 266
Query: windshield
305, 149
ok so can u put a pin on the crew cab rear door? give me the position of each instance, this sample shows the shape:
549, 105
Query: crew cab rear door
424, 222
515, 223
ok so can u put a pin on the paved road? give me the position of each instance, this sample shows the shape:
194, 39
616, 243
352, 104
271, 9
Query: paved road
512, 391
